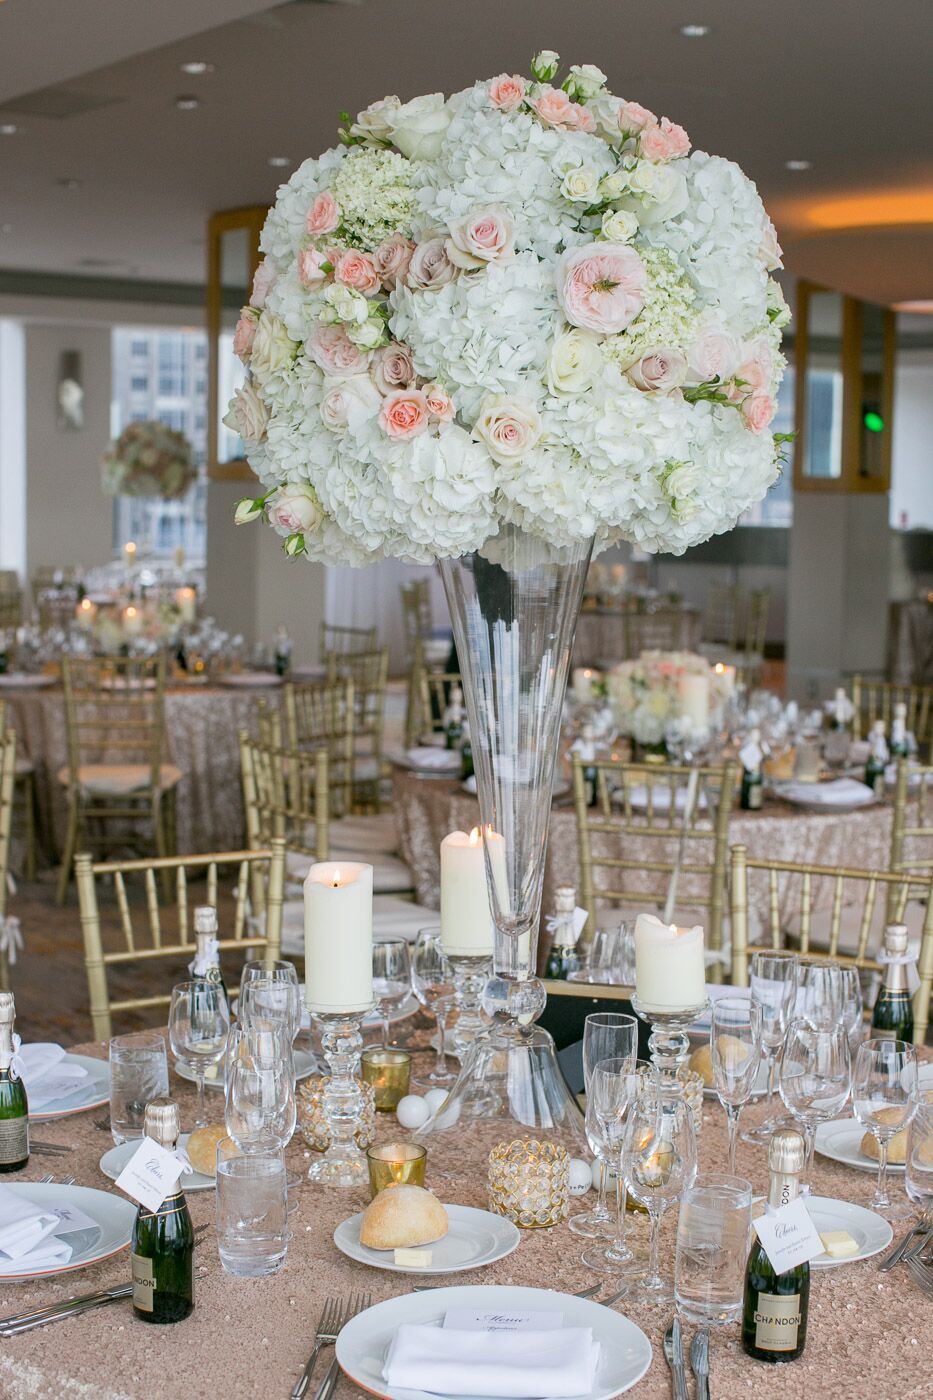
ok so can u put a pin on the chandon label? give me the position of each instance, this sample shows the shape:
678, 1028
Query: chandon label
777, 1319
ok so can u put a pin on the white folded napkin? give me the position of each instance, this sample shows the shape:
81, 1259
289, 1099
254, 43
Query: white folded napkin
519, 1365
660, 798
442, 760
46, 1073
841, 792
27, 1233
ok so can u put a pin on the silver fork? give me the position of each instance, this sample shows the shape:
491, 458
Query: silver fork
922, 1276
326, 1334
357, 1304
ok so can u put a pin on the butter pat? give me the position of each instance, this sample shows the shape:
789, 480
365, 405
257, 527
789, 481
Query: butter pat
838, 1244
414, 1258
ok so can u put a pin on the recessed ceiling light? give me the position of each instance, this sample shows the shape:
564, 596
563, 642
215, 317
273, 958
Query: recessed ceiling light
280, 160
695, 31
197, 69
797, 164
8, 129
68, 182
187, 103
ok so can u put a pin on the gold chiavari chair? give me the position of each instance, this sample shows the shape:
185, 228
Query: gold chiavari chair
865, 890
24, 781
645, 803
253, 893
416, 614
11, 609
912, 826
9, 581
721, 615
368, 670
874, 700
435, 688
346, 639
115, 720
7, 776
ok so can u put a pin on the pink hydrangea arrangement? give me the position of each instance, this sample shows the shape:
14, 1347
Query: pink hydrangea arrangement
149, 459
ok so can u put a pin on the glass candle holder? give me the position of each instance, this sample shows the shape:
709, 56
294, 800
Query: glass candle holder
528, 1183
690, 1086
389, 1073
396, 1164
312, 1121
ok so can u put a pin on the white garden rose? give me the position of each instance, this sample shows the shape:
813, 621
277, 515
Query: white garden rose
272, 349
347, 402
295, 509
509, 427
344, 305
482, 237
248, 414
619, 225
574, 362
581, 186
418, 127
587, 80
375, 124
614, 185
368, 334
661, 188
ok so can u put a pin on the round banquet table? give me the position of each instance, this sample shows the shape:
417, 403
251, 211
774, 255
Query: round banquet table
427, 808
202, 723
869, 1334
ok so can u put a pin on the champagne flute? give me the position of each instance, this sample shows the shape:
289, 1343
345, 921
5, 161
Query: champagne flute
816, 1075
659, 1160
198, 1024
884, 1082
432, 982
853, 1006
773, 986
391, 977
606, 1035
613, 1087
735, 1051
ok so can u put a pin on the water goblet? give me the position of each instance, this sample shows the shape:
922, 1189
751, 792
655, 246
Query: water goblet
606, 1035
260, 1111
816, 1075
279, 971
918, 1167
820, 993
271, 1001
773, 987
391, 977
198, 1024
884, 1082
432, 983
658, 1162
612, 1089
251, 1210
735, 1051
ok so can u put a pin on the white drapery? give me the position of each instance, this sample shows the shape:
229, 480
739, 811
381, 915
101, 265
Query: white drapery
372, 597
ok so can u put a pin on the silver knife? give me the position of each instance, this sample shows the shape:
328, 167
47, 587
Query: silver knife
674, 1355
328, 1384
897, 1253
25, 1322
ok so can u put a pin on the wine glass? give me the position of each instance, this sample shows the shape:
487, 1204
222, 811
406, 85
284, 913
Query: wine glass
852, 1009
391, 977
816, 1075
198, 1023
279, 971
606, 1035
773, 986
612, 1088
820, 993
271, 1000
884, 1082
918, 1167
735, 1051
659, 1160
432, 982
260, 1112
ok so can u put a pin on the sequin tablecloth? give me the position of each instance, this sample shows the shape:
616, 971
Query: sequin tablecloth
869, 1335
201, 728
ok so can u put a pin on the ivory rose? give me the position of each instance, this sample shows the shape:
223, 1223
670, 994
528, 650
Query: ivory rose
248, 414
347, 401
601, 286
369, 334
487, 235
263, 282
619, 225
633, 118
659, 370
333, 351
758, 410
374, 123
418, 127
272, 347
323, 216
666, 141
587, 80
509, 427
357, 270
295, 509
574, 362
430, 265
392, 258
392, 368
581, 185
507, 93
245, 332
404, 414
440, 404
714, 354
310, 267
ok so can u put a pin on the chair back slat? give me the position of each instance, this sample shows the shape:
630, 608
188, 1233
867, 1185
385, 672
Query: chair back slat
295, 809
344, 640
7, 780
152, 909
368, 671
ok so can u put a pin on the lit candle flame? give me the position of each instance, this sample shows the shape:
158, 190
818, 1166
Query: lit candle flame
130, 612
719, 668
475, 836
336, 878
86, 605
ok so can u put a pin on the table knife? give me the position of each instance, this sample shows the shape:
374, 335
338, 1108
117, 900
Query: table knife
674, 1355
329, 1383
25, 1322
699, 1362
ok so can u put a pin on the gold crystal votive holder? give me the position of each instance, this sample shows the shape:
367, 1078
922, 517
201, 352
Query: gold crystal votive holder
312, 1123
389, 1072
395, 1164
528, 1183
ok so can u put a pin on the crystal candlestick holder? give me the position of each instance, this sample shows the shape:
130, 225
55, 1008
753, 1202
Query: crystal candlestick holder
668, 1041
344, 1104
471, 973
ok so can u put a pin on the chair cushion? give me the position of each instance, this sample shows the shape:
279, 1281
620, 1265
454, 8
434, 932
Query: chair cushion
119, 779
391, 916
390, 874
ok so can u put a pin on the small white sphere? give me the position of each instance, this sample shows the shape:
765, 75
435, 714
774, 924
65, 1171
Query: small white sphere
579, 1176
412, 1111
449, 1117
434, 1098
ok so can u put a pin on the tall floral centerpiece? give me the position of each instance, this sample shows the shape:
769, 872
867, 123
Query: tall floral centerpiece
149, 459
499, 330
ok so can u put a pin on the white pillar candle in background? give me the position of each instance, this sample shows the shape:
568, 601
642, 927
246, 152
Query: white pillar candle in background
725, 679
466, 918
129, 552
339, 936
694, 698
582, 683
186, 601
132, 621
85, 613
669, 968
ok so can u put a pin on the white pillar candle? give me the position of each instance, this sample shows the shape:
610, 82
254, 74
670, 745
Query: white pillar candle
129, 551
466, 919
132, 621
694, 698
725, 679
186, 601
339, 937
85, 613
669, 969
582, 682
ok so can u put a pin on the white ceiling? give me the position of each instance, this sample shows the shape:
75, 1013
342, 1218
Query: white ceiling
845, 86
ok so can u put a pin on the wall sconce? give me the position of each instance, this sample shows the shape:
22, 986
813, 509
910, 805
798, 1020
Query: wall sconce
70, 391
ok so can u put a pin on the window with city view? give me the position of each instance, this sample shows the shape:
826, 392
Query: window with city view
161, 373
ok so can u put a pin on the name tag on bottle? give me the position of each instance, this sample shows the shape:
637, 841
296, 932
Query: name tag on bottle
150, 1174
789, 1236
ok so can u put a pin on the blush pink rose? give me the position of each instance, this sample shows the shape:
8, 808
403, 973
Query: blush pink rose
666, 141
506, 93
601, 286
263, 282
713, 355
333, 351
245, 333
392, 257
554, 107
392, 368
404, 414
758, 410
310, 267
430, 267
487, 235
659, 370
440, 404
581, 118
357, 270
755, 372
633, 118
323, 216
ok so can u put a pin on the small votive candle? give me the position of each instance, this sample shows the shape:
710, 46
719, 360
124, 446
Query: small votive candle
529, 1183
389, 1072
395, 1164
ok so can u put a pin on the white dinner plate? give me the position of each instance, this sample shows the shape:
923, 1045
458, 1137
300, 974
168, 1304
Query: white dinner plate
475, 1238
305, 1064
93, 1093
560, 790
840, 1142
113, 1162
21, 680
625, 1352
871, 1232
248, 679
113, 1216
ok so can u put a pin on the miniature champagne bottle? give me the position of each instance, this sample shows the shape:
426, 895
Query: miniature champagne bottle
163, 1241
14, 1106
774, 1313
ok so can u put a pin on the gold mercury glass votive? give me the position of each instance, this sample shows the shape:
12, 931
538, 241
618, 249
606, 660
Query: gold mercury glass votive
528, 1183
312, 1123
395, 1163
389, 1072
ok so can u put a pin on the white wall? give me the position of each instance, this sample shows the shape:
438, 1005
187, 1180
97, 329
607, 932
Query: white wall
12, 447
912, 445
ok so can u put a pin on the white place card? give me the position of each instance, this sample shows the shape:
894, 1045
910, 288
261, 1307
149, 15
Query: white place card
150, 1174
466, 1320
789, 1236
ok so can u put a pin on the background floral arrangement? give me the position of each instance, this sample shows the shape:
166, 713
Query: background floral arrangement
524, 303
644, 695
149, 459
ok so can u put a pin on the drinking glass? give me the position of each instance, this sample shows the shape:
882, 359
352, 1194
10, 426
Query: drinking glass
816, 1075
852, 1010
820, 994
612, 1088
735, 1051
603, 963
391, 977
138, 1074
271, 1001
274, 970
884, 1083
198, 1022
251, 1210
432, 982
773, 987
606, 1035
659, 1161
260, 1110
713, 1228
918, 1168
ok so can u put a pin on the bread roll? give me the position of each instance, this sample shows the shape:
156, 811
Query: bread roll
701, 1061
897, 1145
403, 1217
202, 1149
